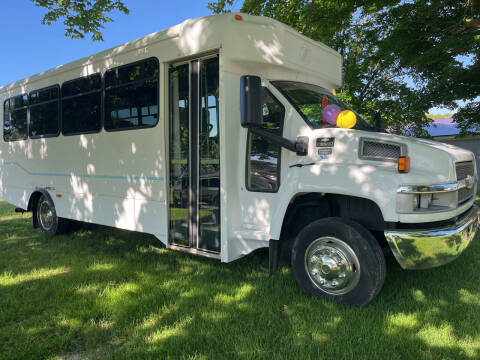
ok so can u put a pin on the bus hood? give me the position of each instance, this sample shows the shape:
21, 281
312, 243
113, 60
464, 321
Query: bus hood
431, 157
455, 153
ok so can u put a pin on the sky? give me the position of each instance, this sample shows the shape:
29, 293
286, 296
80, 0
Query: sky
30, 47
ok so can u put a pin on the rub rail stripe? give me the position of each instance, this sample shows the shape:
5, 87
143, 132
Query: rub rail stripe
110, 177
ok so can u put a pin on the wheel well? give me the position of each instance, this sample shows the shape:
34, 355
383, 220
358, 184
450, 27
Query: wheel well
32, 206
306, 208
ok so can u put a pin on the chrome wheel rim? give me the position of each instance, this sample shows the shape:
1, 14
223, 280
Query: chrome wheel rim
46, 215
332, 265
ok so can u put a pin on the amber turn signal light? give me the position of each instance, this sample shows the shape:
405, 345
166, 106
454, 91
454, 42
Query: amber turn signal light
404, 164
238, 17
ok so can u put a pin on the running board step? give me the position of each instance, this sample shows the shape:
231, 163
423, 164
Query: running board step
194, 251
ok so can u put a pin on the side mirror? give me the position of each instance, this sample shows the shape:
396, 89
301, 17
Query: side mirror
251, 111
377, 119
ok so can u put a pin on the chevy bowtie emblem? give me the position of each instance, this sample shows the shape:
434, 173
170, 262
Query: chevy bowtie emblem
469, 181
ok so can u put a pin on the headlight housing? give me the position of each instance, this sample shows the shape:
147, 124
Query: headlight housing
429, 202
431, 198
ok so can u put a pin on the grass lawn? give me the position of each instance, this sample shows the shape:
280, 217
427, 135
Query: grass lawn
109, 294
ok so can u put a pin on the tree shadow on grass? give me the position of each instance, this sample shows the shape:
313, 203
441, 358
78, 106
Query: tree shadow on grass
105, 293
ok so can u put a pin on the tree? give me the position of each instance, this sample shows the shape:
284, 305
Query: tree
81, 17
439, 41
400, 56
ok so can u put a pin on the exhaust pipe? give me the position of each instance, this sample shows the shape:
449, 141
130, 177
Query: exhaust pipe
20, 210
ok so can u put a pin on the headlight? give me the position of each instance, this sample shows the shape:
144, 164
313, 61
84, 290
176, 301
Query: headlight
413, 199
409, 203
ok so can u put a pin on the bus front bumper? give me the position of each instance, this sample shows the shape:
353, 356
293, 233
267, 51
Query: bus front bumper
423, 249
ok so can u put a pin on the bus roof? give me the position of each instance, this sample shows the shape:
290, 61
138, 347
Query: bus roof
223, 26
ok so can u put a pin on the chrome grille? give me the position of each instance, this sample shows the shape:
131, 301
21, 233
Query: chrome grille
380, 150
464, 169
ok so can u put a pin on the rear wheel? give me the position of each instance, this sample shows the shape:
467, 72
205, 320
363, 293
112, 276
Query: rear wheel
47, 218
338, 260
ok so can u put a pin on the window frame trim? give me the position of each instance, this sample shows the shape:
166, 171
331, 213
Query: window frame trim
104, 97
279, 166
59, 108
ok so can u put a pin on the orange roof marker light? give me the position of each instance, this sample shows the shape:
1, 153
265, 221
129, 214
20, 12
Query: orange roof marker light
238, 17
404, 164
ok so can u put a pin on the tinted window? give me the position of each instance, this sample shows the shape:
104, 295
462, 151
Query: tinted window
81, 105
82, 85
139, 71
15, 118
44, 117
131, 96
263, 158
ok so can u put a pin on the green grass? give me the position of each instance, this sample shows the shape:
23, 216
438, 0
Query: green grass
103, 293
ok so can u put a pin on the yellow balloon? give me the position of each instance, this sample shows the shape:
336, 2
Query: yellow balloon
346, 119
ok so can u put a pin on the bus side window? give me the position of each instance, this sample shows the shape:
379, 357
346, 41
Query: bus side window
131, 96
263, 158
44, 112
15, 118
82, 105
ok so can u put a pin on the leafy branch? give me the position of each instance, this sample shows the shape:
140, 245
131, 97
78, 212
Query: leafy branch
81, 17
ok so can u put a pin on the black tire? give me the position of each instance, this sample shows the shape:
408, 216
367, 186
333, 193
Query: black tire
54, 225
349, 240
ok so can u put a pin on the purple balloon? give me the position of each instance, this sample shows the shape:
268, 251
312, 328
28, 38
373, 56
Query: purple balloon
330, 113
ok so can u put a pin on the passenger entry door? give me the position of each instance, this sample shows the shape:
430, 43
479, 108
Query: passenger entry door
194, 155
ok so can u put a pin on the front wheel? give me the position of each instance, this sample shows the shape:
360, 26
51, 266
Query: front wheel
339, 260
47, 218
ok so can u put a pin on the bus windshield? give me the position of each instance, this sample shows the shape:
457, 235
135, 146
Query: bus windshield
310, 102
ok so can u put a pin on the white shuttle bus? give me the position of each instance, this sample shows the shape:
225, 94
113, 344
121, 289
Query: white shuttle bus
221, 136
